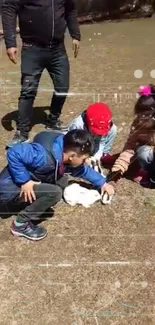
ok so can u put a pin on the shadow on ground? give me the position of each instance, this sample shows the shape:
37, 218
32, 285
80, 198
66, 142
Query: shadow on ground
6, 214
39, 117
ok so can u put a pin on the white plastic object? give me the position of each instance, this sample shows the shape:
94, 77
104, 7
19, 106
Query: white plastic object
106, 199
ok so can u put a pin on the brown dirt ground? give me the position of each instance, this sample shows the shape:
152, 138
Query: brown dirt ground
70, 277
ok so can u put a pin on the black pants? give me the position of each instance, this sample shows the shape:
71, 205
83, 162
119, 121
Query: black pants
47, 195
33, 61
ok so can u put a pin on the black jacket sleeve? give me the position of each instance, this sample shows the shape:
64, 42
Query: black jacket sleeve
9, 17
71, 19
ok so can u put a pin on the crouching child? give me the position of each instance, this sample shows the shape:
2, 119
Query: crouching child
137, 158
34, 178
97, 120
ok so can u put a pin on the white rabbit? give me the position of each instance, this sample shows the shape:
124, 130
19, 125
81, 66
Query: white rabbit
76, 194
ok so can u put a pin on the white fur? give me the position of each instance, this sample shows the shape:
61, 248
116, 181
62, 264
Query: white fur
76, 194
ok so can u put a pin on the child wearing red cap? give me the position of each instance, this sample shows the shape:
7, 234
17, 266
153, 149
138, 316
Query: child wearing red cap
97, 119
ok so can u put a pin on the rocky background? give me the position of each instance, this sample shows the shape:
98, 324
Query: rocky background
90, 10
95, 10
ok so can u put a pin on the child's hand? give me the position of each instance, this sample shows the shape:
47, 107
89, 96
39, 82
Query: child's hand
89, 162
108, 188
95, 164
28, 191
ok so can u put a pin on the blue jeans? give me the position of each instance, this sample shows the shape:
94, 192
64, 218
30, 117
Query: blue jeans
146, 158
34, 60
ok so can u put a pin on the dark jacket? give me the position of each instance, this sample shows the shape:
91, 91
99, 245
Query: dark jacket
40, 21
142, 132
40, 161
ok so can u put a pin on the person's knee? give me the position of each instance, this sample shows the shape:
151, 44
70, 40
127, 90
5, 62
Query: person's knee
29, 87
61, 88
56, 194
145, 155
61, 80
63, 182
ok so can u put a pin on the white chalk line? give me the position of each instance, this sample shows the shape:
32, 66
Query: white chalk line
83, 315
103, 235
95, 235
99, 263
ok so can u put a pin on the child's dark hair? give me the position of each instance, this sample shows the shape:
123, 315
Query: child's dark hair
79, 141
146, 102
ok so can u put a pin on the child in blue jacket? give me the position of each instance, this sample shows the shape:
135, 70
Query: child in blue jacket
35, 176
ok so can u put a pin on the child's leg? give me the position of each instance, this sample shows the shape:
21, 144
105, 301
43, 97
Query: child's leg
140, 165
63, 182
145, 156
47, 195
107, 160
146, 159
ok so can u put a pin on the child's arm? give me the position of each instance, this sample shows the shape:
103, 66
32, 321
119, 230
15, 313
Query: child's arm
21, 158
122, 163
89, 174
77, 123
100, 151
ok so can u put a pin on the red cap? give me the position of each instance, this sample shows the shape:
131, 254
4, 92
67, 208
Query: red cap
98, 118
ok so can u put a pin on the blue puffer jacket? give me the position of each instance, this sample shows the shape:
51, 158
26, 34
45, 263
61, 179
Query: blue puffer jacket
40, 161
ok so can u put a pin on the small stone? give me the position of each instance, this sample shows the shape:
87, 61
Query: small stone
117, 284
144, 284
148, 263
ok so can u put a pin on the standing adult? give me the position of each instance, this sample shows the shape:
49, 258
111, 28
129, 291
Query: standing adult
42, 26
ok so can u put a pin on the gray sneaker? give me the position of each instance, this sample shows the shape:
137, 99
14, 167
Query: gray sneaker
16, 140
55, 125
28, 230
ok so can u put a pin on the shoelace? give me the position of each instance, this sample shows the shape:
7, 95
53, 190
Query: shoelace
31, 225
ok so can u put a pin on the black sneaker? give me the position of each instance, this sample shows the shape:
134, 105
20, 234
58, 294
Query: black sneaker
28, 230
16, 140
56, 125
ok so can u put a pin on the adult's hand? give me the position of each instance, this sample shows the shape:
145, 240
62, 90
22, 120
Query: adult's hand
28, 192
12, 53
76, 46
